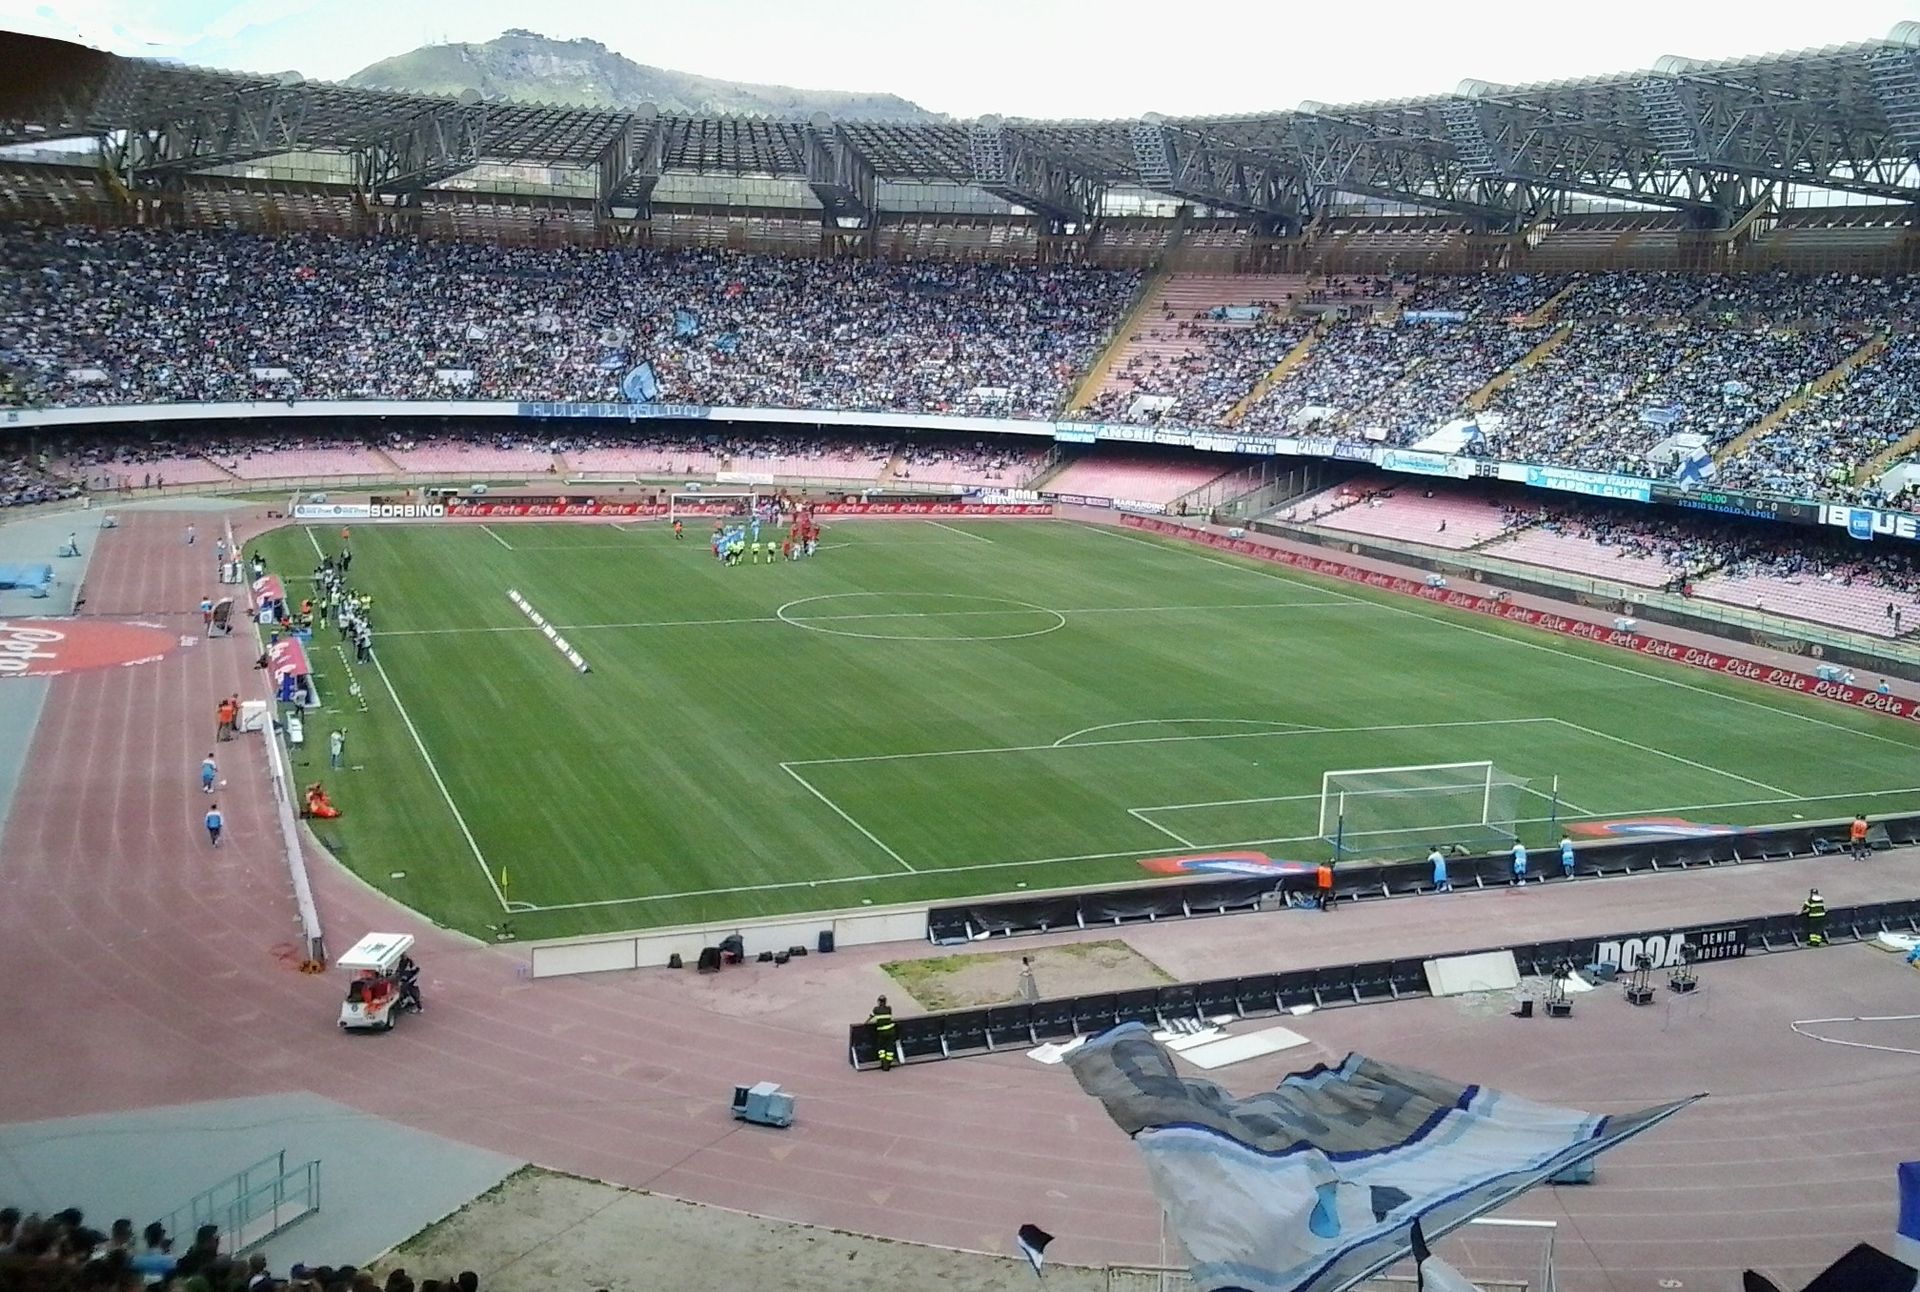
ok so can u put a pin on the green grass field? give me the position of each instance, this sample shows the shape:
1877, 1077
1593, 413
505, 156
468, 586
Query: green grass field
928, 710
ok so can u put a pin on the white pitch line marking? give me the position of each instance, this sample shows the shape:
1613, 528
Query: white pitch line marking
496, 538
434, 771
1138, 814
894, 614
961, 532
842, 813
1178, 807
1667, 810
1661, 753
1159, 740
1387, 603
1168, 722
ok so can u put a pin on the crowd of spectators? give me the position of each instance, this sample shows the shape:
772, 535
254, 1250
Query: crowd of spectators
97, 317
1820, 448
94, 317
60, 1253
1691, 544
24, 481
1200, 385
1485, 296
67, 465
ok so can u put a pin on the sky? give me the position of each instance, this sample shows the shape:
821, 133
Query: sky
1033, 58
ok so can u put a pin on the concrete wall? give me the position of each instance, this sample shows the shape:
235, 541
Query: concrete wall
649, 949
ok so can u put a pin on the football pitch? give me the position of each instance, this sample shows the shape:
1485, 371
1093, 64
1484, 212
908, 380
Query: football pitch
930, 710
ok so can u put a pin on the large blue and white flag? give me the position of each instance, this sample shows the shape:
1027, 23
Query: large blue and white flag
640, 386
1906, 1236
1314, 1185
1696, 467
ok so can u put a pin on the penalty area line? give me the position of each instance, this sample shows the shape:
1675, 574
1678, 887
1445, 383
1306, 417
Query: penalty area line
496, 538
1665, 810
842, 813
961, 532
1140, 815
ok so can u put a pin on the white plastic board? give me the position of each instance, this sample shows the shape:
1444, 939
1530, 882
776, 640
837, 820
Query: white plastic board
1457, 975
1237, 1049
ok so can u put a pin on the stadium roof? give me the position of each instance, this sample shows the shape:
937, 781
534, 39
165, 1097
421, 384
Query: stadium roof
1707, 139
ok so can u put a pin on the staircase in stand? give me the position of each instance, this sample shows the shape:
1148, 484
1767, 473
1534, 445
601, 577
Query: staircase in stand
1276, 374
1886, 457
1800, 398
1122, 340
1506, 376
1544, 311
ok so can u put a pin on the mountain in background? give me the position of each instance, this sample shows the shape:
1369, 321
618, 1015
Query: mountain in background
531, 68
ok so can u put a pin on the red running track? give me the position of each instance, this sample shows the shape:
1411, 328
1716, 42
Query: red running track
168, 973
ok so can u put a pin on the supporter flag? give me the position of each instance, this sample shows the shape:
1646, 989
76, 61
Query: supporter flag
1312, 1186
1033, 1245
1430, 1273
685, 323
728, 342
1906, 1237
1697, 467
640, 386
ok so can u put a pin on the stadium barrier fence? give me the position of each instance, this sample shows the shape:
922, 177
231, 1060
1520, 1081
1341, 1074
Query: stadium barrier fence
1051, 912
957, 1034
1622, 636
285, 795
1655, 605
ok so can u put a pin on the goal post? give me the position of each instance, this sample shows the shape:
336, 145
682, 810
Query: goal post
684, 503
1379, 811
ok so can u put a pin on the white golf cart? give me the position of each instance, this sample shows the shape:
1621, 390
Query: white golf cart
374, 995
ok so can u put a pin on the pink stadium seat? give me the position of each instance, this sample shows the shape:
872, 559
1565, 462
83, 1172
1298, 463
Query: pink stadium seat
468, 459
175, 471
1002, 469
1581, 555
1134, 479
1860, 607
1408, 516
287, 464
643, 462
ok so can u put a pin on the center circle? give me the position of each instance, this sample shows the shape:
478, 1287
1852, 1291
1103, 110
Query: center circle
921, 617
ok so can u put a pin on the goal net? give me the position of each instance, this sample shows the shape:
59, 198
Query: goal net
711, 502
1375, 811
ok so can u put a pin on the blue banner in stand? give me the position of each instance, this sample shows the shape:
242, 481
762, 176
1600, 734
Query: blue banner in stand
1865, 523
624, 412
1416, 462
1073, 434
1594, 484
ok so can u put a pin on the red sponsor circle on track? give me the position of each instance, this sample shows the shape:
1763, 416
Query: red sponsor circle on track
49, 647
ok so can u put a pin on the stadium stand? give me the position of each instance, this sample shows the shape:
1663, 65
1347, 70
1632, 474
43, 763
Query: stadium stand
1819, 449
304, 463
988, 466
97, 316
1131, 477
1731, 561
1882, 599
1195, 355
1454, 519
445, 456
